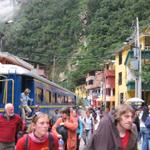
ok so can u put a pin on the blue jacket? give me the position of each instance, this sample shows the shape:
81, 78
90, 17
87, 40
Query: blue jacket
147, 124
24, 99
80, 127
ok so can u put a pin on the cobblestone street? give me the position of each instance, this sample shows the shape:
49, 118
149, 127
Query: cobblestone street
82, 146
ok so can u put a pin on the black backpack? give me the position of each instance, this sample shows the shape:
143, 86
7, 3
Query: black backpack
62, 130
51, 142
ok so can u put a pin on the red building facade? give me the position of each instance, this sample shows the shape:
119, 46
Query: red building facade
100, 86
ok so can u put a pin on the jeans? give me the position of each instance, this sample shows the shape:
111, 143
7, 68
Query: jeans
149, 143
23, 109
7, 146
144, 136
88, 135
78, 142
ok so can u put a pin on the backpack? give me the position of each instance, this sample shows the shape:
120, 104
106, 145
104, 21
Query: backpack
62, 130
51, 142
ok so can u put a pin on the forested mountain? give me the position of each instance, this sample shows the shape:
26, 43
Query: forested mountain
73, 36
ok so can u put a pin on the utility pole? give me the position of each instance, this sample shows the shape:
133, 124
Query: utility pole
137, 55
54, 65
1, 41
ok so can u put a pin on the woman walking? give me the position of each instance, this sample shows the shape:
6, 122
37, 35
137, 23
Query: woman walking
39, 137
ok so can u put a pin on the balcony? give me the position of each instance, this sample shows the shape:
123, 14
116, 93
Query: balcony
145, 55
147, 47
109, 73
110, 98
131, 86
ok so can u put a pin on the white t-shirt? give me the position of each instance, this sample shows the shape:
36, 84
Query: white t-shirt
142, 124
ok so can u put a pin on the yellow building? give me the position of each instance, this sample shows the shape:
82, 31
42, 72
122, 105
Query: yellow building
125, 67
81, 92
121, 74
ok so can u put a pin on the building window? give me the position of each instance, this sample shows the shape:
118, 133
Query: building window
120, 78
90, 82
121, 98
120, 58
147, 43
92, 73
107, 66
108, 91
113, 92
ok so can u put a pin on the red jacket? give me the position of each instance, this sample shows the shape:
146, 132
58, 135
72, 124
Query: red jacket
71, 125
9, 128
35, 146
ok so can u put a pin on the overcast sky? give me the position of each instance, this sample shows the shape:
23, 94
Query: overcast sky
6, 10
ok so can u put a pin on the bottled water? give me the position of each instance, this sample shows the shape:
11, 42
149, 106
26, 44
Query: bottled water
61, 144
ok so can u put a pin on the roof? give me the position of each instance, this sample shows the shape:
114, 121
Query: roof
11, 59
14, 69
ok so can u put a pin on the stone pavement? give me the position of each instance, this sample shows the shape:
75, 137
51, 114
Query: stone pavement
82, 145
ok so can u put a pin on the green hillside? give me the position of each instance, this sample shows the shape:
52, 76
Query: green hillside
72, 37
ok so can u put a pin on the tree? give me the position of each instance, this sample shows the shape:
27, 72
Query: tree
146, 73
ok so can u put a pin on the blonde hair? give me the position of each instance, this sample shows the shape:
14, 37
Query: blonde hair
27, 90
122, 109
38, 116
35, 118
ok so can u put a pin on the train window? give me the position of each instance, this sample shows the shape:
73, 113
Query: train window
69, 99
54, 98
59, 99
39, 94
48, 96
66, 99
63, 99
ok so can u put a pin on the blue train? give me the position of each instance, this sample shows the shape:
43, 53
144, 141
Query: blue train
14, 79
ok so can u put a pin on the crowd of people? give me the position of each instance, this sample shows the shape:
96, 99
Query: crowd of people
122, 128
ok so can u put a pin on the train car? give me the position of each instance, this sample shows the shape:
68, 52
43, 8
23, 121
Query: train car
15, 79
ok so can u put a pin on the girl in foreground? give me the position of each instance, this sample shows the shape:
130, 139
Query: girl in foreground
39, 138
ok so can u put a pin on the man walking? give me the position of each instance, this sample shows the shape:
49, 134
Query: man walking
10, 125
115, 132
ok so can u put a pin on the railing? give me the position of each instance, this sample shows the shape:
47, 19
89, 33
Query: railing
90, 78
146, 47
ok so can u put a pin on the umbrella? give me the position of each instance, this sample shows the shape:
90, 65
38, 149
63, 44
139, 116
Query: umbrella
135, 100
